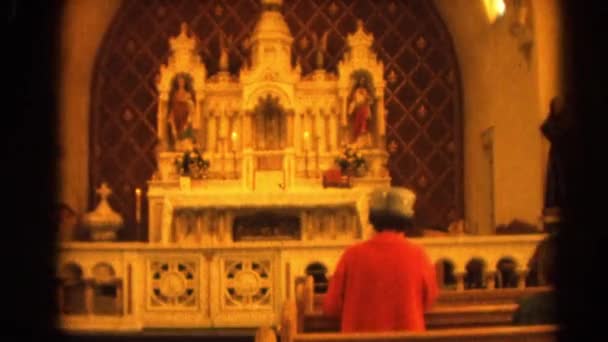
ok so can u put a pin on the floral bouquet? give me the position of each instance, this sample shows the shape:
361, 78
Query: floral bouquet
191, 164
351, 161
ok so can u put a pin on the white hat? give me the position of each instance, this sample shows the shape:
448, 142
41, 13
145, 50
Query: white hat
392, 201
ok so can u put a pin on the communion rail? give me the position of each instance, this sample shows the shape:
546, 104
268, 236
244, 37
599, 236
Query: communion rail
131, 286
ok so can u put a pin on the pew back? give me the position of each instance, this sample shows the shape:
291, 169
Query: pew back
438, 318
447, 298
490, 334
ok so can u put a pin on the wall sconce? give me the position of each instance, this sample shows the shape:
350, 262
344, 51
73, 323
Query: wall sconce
494, 9
499, 7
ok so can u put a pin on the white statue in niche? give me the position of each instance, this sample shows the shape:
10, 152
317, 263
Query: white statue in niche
360, 107
181, 110
225, 46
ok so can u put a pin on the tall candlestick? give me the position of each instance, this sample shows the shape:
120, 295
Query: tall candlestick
138, 205
306, 149
234, 136
306, 141
234, 139
317, 166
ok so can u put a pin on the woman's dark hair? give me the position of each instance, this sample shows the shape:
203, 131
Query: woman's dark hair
385, 221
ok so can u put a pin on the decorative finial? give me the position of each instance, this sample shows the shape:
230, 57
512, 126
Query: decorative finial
360, 38
183, 41
359, 25
104, 191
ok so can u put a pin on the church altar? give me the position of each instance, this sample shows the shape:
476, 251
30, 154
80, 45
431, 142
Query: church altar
268, 135
224, 248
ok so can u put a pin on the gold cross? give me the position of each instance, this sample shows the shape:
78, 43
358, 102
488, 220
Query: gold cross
104, 191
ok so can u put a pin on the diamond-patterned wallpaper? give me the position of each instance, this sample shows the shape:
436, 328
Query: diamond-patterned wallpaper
424, 121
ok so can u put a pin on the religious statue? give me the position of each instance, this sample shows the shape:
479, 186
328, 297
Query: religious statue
360, 109
320, 46
181, 111
555, 128
225, 44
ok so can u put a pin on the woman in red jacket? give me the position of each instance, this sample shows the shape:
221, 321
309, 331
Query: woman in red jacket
387, 282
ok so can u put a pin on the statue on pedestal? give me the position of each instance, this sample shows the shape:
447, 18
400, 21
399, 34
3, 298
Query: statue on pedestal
360, 107
320, 46
181, 111
225, 45
556, 128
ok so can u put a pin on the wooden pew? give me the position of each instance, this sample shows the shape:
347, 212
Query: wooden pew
447, 298
470, 308
289, 332
437, 318
493, 334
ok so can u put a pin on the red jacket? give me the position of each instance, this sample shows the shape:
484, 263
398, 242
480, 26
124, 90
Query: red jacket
383, 284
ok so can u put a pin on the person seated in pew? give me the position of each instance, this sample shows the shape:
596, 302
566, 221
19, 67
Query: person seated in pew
387, 282
540, 308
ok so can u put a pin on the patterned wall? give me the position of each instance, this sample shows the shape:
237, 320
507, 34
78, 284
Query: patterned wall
423, 93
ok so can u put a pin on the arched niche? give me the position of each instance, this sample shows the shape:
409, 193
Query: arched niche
180, 85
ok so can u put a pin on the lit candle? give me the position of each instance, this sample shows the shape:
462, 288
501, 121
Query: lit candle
306, 140
499, 7
234, 138
138, 205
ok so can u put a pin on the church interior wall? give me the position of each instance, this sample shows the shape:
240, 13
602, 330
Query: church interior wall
501, 89
509, 92
84, 24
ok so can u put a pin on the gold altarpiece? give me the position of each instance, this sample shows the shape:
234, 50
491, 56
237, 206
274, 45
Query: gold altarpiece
269, 132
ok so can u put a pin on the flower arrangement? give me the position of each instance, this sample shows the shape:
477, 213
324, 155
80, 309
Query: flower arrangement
351, 160
191, 164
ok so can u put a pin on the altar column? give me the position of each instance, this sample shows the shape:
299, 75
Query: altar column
211, 133
247, 128
380, 123
247, 169
162, 119
319, 130
290, 130
298, 132
333, 125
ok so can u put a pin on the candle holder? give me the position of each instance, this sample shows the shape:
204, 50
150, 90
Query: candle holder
223, 157
138, 206
306, 163
317, 157
233, 138
306, 138
234, 164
